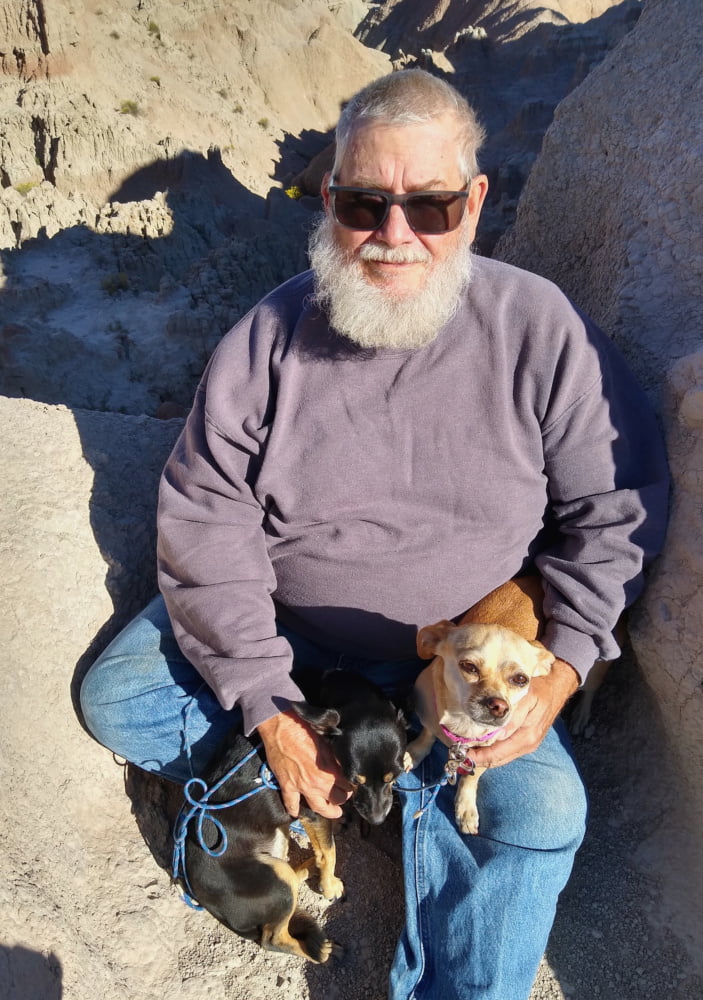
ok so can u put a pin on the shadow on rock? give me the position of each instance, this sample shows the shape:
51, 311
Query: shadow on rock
155, 805
29, 975
143, 292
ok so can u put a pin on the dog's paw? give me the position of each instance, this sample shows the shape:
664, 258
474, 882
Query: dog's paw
332, 888
466, 817
416, 752
321, 951
331, 950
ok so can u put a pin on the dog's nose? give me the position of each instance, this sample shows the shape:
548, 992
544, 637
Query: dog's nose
498, 707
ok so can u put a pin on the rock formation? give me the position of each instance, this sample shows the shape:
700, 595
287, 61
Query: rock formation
144, 149
613, 212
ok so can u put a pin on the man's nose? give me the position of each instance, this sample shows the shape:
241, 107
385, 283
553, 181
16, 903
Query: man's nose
395, 230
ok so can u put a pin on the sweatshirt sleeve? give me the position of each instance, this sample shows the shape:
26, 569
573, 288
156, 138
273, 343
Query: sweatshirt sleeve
608, 491
213, 567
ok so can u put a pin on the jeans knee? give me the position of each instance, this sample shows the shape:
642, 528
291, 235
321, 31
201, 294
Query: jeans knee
95, 702
538, 801
563, 812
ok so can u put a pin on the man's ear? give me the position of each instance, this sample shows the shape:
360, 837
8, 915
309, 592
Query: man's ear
322, 720
325, 190
477, 195
430, 636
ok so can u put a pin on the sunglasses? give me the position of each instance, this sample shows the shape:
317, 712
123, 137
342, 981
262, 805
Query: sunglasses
427, 212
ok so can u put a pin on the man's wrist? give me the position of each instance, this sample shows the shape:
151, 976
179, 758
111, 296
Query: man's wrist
274, 723
565, 679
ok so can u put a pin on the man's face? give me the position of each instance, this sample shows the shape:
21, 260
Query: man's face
399, 160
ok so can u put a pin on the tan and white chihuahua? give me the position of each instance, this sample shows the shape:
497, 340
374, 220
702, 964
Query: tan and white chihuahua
481, 669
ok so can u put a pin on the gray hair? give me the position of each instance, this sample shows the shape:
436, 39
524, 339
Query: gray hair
411, 97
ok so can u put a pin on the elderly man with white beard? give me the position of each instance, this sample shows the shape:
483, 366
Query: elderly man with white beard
379, 443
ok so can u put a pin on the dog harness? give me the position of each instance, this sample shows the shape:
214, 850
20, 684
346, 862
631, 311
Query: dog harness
202, 808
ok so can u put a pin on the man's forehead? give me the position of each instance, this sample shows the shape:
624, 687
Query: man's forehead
426, 155
371, 181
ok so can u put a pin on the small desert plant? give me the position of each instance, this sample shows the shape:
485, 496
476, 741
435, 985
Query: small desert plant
114, 283
129, 108
238, 108
156, 80
24, 187
154, 30
224, 93
114, 34
264, 122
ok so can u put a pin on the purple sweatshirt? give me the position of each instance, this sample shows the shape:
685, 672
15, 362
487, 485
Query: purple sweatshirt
360, 495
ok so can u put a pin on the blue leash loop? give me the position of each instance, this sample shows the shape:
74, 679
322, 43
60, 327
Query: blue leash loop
202, 810
457, 761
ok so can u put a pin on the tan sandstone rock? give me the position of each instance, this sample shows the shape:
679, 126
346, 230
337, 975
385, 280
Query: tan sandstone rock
86, 909
613, 212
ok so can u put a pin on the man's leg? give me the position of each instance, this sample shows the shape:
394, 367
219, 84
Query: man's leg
479, 909
144, 701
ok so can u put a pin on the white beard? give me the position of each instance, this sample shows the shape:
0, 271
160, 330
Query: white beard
371, 316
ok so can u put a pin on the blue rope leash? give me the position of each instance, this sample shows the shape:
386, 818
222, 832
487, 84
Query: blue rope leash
456, 762
202, 809
434, 785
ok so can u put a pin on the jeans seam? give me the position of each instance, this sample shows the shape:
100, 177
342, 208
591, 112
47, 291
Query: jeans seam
185, 737
420, 888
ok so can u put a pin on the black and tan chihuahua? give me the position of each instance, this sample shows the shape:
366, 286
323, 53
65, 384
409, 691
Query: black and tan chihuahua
237, 868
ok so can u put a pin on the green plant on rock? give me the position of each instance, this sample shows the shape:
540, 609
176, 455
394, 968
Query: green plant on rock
114, 283
24, 187
129, 108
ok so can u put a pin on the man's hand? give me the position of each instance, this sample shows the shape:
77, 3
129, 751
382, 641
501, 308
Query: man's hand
303, 764
533, 717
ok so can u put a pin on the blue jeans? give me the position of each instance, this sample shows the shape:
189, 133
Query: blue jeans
479, 909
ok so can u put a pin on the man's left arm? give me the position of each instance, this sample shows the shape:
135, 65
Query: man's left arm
608, 500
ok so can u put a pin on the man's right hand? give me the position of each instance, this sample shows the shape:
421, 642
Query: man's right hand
303, 764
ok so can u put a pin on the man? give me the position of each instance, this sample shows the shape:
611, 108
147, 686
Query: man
378, 444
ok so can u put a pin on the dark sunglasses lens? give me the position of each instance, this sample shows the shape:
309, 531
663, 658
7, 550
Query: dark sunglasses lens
435, 213
359, 209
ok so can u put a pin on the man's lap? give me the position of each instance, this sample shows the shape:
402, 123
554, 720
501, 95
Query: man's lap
145, 701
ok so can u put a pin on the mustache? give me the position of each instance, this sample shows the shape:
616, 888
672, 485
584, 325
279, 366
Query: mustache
394, 255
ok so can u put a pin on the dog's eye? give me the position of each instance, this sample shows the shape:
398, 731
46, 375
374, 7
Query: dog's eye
389, 778
519, 680
469, 668
359, 779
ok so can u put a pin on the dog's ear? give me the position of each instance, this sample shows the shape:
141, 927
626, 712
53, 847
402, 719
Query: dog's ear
324, 721
543, 660
430, 636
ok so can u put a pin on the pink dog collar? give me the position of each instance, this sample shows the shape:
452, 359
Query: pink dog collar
466, 739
